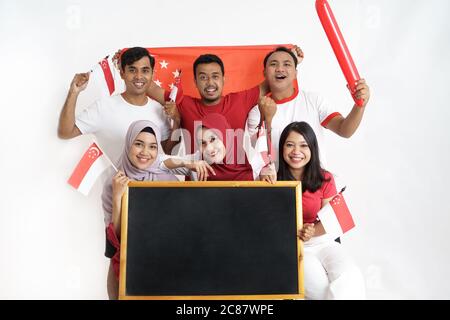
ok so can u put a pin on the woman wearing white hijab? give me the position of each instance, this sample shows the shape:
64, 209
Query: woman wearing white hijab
142, 160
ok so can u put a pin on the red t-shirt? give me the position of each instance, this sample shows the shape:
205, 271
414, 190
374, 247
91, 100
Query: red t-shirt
312, 202
234, 107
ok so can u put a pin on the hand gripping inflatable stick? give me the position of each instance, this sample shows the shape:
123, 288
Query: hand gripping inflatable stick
339, 47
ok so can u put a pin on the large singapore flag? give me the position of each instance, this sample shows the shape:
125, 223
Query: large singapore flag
90, 167
243, 67
335, 217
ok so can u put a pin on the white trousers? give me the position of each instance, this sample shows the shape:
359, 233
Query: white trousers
329, 272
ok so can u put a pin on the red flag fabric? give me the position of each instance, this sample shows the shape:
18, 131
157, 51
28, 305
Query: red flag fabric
336, 217
104, 64
105, 80
243, 65
342, 213
91, 165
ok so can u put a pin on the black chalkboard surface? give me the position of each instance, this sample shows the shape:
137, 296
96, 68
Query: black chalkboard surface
211, 240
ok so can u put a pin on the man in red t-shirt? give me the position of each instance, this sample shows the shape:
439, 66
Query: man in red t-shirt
209, 80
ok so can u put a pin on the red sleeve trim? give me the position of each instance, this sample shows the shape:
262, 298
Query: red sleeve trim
328, 187
112, 237
329, 118
292, 97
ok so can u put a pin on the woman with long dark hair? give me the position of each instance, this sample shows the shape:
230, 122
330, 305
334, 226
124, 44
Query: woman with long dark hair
329, 272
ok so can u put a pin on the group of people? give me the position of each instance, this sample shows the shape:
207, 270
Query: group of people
137, 125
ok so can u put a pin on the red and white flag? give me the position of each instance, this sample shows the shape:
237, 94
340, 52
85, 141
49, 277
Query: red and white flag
175, 87
261, 157
107, 70
105, 78
90, 167
243, 65
335, 217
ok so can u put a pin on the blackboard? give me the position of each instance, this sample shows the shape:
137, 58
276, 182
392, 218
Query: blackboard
211, 240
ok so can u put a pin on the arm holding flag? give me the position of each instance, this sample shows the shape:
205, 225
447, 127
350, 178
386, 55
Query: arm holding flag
316, 229
269, 173
267, 108
171, 111
66, 126
156, 92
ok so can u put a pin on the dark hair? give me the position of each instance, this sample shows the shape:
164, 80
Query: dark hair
149, 130
208, 58
281, 49
313, 177
132, 55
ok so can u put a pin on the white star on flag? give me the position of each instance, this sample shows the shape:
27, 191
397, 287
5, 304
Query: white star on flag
172, 60
158, 83
176, 73
164, 64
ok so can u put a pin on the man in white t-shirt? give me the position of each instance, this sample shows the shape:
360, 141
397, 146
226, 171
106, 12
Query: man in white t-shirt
109, 118
288, 104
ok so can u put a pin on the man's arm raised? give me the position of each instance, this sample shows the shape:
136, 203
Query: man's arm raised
66, 126
156, 92
346, 127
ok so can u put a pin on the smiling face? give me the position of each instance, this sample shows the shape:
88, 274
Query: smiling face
143, 151
280, 71
296, 152
209, 81
137, 76
211, 146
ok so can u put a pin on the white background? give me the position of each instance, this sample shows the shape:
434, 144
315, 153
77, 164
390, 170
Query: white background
395, 167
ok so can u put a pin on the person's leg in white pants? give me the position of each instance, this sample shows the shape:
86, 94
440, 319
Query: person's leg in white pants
315, 277
344, 280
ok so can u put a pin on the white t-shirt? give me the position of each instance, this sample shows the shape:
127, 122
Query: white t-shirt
109, 118
302, 106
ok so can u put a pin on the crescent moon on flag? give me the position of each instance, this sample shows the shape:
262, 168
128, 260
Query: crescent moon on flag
94, 152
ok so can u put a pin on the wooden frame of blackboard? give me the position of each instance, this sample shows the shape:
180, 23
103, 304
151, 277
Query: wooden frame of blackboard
208, 184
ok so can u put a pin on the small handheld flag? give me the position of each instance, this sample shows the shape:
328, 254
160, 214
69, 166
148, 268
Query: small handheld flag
335, 216
260, 157
90, 167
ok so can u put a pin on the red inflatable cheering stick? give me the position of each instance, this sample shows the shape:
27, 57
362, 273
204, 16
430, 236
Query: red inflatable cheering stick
339, 47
